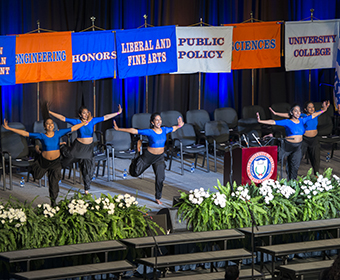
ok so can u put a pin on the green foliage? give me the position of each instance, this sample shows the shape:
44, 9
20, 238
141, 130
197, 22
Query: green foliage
304, 199
78, 219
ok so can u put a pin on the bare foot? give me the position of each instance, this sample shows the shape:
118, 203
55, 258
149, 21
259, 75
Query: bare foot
139, 145
86, 192
159, 202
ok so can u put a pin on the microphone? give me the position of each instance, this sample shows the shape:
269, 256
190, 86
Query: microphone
144, 214
245, 140
257, 140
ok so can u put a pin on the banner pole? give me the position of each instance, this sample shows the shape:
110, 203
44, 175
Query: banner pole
310, 71
146, 78
252, 73
199, 81
38, 85
94, 81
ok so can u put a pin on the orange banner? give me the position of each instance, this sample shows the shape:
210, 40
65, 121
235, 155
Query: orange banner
43, 57
256, 45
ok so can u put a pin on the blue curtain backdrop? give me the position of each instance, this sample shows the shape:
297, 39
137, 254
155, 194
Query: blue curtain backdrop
165, 92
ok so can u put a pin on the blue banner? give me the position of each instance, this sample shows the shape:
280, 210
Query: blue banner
93, 55
7, 60
146, 51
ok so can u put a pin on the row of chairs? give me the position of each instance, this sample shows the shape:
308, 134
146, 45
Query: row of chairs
200, 135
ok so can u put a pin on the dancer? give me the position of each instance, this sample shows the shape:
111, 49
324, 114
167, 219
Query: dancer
49, 159
154, 155
295, 129
310, 140
82, 147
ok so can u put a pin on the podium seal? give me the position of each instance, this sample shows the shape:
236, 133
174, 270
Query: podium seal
260, 167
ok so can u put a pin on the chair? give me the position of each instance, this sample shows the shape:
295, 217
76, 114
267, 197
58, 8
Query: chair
118, 145
282, 107
228, 115
198, 118
141, 121
16, 150
184, 140
101, 154
249, 120
3, 166
326, 120
326, 127
217, 134
169, 118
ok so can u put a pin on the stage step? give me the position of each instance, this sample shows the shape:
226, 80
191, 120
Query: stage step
244, 274
300, 247
193, 258
76, 271
300, 269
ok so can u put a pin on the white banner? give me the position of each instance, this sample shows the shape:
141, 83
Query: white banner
204, 49
311, 45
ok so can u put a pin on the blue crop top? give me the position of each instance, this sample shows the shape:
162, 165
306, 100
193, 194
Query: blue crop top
50, 143
85, 131
311, 124
156, 140
292, 128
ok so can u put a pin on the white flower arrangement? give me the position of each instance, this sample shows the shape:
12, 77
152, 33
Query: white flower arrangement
219, 199
198, 195
105, 204
48, 210
322, 184
12, 215
241, 192
126, 200
77, 207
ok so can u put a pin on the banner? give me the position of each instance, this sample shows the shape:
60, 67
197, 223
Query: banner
43, 57
93, 55
204, 49
336, 89
256, 45
7, 60
311, 45
146, 51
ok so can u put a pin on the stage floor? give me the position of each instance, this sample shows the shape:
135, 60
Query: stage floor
144, 187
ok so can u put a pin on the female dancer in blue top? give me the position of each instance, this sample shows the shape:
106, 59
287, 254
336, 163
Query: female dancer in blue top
310, 140
49, 159
82, 147
154, 155
295, 129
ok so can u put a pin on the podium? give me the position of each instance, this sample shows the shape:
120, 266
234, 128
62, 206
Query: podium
255, 164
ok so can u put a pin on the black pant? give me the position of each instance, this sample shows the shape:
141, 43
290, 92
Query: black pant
53, 169
83, 153
312, 146
142, 162
293, 153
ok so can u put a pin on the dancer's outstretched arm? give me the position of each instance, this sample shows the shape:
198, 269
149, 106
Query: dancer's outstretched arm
15, 130
129, 130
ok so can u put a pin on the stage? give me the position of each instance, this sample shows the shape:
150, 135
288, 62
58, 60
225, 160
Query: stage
145, 187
